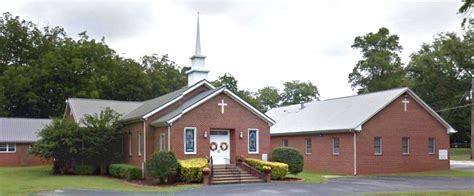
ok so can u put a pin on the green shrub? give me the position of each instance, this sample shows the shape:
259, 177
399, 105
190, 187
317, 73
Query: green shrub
85, 169
279, 170
125, 171
290, 156
190, 170
161, 165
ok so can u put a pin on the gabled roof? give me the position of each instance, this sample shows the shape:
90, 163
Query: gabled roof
202, 98
21, 130
80, 107
152, 106
130, 110
339, 114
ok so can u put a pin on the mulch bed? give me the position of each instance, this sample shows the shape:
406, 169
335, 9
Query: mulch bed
151, 183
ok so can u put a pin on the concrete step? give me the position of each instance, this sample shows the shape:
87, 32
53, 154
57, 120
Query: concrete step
237, 181
231, 175
229, 172
234, 178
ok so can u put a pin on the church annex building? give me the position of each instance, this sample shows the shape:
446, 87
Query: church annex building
382, 132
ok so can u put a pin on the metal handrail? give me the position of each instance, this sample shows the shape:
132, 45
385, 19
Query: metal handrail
212, 167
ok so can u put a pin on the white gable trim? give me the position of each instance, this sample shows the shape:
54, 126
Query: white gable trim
419, 101
197, 85
231, 95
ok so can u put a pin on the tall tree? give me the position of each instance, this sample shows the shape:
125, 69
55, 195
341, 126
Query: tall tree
269, 97
440, 73
165, 76
228, 81
296, 92
380, 67
466, 9
40, 69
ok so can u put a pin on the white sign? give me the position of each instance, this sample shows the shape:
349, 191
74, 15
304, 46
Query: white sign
443, 154
264, 157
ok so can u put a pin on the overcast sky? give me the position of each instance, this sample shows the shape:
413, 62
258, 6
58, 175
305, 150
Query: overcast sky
261, 43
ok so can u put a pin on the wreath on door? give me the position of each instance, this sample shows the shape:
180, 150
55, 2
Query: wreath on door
224, 146
213, 146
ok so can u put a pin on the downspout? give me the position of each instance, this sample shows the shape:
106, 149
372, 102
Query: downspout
144, 148
169, 137
355, 153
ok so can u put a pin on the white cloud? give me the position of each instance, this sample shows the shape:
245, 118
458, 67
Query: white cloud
261, 43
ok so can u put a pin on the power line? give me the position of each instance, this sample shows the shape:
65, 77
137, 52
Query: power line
457, 107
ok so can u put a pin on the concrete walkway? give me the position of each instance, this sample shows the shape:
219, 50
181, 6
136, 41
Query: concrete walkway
462, 165
334, 186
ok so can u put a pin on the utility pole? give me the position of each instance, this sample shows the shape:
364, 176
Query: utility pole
472, 118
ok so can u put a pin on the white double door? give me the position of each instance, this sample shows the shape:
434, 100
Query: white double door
220, 146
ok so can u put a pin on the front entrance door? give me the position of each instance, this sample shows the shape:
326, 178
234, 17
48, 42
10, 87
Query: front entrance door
220, 147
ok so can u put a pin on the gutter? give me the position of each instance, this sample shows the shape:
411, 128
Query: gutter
355, 153
144, 148
169, 137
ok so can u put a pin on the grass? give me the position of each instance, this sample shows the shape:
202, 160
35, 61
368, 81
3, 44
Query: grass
445, 173
309, 177
28, 180
460, 154
433, 193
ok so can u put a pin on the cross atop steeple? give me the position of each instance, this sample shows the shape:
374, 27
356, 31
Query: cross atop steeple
197, 72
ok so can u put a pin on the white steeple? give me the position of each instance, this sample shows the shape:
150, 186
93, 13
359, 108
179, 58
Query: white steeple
197, 72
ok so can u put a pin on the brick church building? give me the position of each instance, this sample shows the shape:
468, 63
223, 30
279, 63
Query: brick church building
197, 120
382, 132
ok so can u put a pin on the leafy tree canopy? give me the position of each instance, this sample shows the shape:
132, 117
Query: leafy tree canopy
296, 92
440, 73
65, 68
380, 67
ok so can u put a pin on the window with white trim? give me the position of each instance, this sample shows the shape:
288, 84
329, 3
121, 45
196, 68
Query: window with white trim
431, 145
308, 146
253, 141
377, 145
190, 140
285, 142
162, 142
335, 146
7, 147
130, 139
140, 146
405, 145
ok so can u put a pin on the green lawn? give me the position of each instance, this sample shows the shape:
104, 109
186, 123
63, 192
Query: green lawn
28, 180
309, 177
434, 193
445, 173
460, 154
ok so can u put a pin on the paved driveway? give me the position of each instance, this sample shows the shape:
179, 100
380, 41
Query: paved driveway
334, 186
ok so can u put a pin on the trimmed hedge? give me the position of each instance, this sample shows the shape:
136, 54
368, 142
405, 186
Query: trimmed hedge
85, 169
125, 171
290, 156
279, 170
190, 170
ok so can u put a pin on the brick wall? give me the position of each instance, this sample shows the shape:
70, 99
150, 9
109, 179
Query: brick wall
322, 158
393, 123
207, 116
21, 157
